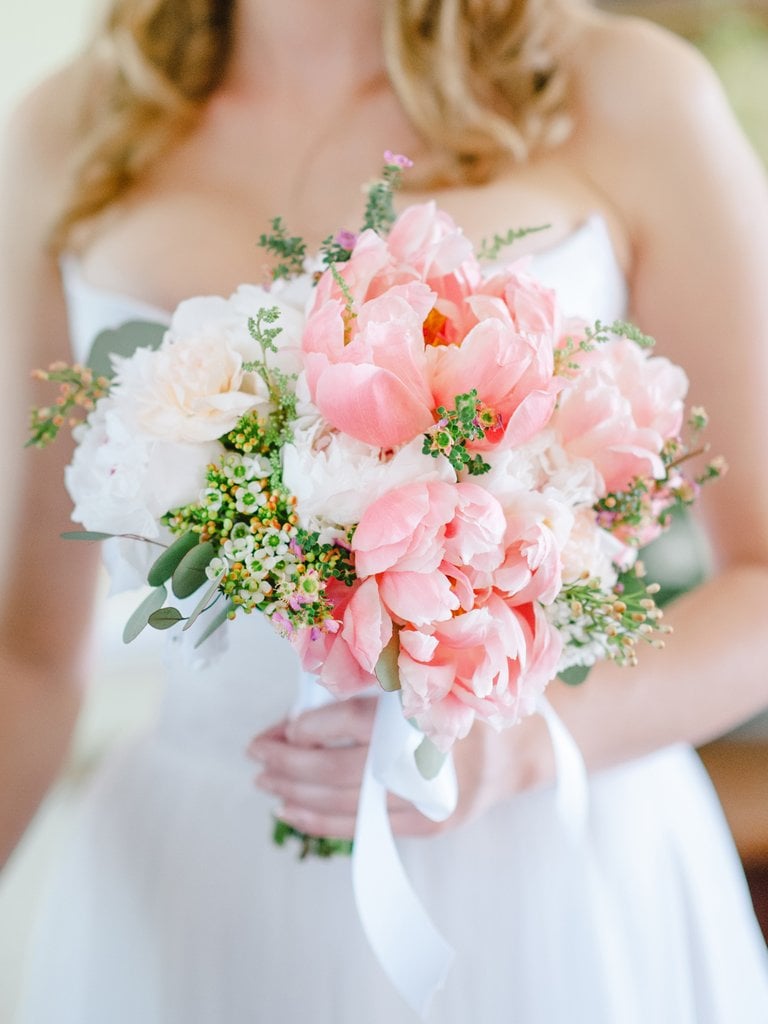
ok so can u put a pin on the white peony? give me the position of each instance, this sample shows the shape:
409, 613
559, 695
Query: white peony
335, 477
594, 551
193, 388
121, 481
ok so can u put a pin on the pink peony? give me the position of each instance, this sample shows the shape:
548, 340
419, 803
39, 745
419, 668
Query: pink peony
372, 385
458, 579
414, 325
619, 410
492, 662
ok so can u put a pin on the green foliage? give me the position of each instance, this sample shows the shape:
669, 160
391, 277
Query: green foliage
166, 564
190, 573
333, 251
123, 341
610, 622
601, 333
315, 846
206, 602
598, 334
379, 207
349, 313
79, 390
429, 760
332, 561
387, 671
468, 421
164, 618
290, 250
151, 604
490, 249
575, 675
86, 535
215, 622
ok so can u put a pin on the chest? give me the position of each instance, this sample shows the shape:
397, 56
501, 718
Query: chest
193, 224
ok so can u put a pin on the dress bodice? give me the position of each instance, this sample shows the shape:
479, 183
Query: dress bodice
583, 268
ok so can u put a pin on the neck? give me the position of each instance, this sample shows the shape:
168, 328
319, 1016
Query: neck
303, 49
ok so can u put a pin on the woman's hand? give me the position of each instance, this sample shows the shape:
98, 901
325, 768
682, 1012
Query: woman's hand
315, 763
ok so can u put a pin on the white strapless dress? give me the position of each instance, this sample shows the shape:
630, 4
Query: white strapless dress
172, 906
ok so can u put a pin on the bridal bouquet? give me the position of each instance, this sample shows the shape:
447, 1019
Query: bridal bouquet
421, 472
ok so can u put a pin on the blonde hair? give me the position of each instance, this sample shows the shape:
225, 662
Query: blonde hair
480, 80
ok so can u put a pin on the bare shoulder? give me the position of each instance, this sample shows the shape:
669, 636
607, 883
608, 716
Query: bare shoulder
36, 149
652, 120
38, 143
630, 73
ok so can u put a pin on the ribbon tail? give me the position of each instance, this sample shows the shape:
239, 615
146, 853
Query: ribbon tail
410, 949
572, 794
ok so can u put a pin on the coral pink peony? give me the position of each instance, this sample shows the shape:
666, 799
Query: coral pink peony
458, 579
492, 662
619, 410
412, 325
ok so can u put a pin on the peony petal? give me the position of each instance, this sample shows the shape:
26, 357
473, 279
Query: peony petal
418, 598
367, 626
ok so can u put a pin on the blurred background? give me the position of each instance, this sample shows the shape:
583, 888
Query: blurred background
38, 35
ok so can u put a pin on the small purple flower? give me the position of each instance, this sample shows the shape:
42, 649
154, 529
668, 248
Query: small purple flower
397, 159
346, 239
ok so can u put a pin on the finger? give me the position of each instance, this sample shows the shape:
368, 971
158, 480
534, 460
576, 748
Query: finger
311, 797
397, 803
337, 766
405, 823
274, 732
333, 826
340, 722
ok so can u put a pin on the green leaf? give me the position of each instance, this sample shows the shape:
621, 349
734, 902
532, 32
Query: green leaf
165, 618
149, 606
205, 600
86, 535
574, 675
123, 341
429, 760
386, 667
218, 620
189, 575
164, 567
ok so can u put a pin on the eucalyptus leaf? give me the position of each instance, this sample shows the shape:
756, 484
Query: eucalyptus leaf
429, 760
205, 600
386, 667
148, 607
189, 575
166, 564
123, 341
218, 620
86, 535
574, 675
165, 618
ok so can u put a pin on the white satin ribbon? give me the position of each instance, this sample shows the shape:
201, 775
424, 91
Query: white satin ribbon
572, 786
410, 949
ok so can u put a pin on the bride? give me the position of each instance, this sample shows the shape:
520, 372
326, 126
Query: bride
142, 174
